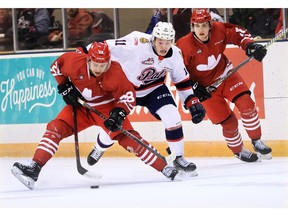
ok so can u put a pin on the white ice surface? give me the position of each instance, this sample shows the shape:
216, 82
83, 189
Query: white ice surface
128, 183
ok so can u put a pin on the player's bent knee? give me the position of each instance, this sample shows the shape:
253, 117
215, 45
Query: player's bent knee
245, 104
59, 128
171, 120
230, 124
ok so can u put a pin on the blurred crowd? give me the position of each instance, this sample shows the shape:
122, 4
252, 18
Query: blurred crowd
40, 28
37, 28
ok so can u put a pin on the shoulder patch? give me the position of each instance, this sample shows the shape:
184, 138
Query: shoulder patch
143, 40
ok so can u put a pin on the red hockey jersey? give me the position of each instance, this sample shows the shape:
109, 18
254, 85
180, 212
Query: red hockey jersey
206, 62
111, 87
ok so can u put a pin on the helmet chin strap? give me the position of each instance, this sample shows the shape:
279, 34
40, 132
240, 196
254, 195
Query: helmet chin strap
154, 48
108, 66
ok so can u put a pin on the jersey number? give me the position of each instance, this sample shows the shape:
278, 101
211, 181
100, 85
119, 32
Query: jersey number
120, 42
128, 97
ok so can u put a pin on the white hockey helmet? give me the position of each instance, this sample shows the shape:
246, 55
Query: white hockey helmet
163, 30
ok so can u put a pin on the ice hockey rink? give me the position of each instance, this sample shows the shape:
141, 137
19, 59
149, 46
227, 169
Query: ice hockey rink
222, 183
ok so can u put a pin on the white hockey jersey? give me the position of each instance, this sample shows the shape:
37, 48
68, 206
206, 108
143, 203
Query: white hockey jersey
144, 69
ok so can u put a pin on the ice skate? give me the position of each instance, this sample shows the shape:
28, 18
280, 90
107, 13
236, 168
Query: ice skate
263, 151
247, 156
188, 168
94, 156
181, 164
27, 174
171, 173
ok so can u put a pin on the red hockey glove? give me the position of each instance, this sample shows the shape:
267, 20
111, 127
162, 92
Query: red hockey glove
196, 109
116, 118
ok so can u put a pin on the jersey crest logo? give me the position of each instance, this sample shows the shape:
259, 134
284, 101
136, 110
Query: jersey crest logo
149, 61
143, 40
210, 65
150, 75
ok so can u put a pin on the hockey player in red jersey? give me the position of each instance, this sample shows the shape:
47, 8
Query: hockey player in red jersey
92, 78
203, 53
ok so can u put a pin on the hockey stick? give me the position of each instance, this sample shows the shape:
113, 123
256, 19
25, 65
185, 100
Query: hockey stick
169, 159
216, 84
80, 168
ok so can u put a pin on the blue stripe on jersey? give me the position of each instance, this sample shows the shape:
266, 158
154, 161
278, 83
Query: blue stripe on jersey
156, 82
184, 85
174, 135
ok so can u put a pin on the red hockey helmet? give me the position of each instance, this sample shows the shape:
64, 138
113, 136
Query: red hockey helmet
99, 52
200, 16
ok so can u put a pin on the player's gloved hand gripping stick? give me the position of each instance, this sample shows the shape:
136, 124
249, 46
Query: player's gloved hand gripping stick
169, 159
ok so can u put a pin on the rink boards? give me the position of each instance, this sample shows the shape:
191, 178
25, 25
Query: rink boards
192, 149
29, 100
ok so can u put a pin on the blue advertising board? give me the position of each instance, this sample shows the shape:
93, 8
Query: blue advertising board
28, 92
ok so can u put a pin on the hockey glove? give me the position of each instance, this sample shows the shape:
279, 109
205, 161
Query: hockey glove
256, 50
116, 118
200, 91
69, 93
196, 109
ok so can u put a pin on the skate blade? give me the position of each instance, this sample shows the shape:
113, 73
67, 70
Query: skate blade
192, 174
264, 157
258, 160
183, 175
27, 181
178, 177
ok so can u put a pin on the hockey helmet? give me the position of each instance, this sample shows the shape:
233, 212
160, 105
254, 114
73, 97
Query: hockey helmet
163, 30
99, 52
200, 16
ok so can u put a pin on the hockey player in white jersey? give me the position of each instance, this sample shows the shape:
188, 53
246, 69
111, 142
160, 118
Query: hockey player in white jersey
146, 59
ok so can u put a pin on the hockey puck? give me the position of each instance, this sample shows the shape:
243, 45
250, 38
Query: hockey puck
94, 186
